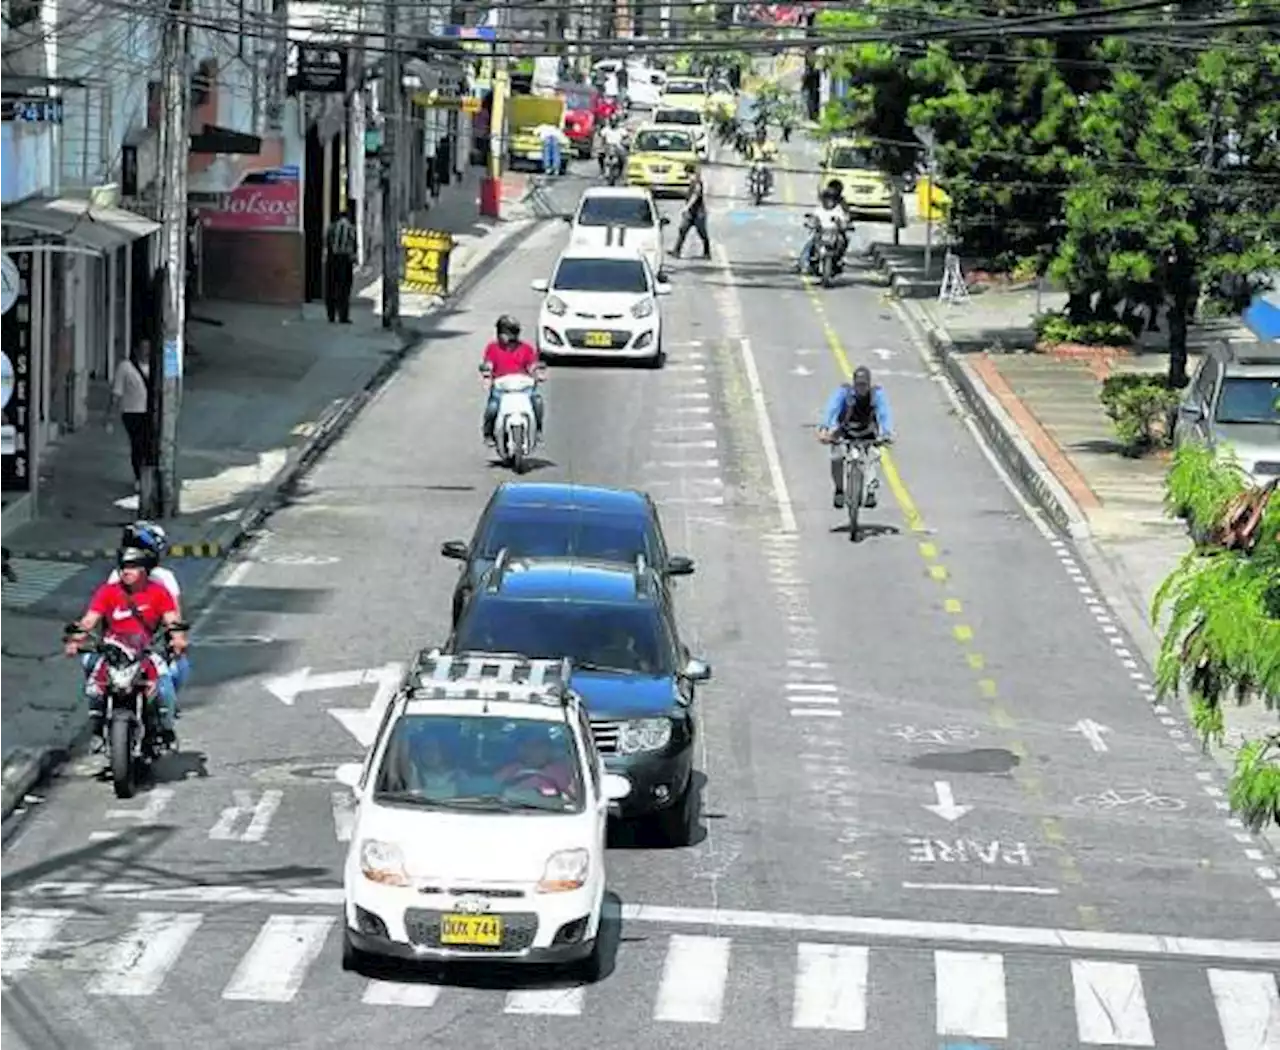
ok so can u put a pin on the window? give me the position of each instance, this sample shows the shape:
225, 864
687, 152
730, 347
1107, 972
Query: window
685, 87
847, 158
557, 533
601, 275
678, 116
662, 142
629, 639
1249, 399
635, 213
481, 764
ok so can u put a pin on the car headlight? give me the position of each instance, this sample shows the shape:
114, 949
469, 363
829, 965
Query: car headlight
642, 309
383, 862
566, 870
644, 734
556, 305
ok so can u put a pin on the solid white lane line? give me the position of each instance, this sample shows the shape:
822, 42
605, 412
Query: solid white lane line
983, 887
272, 970
400, 993
140, 960
1248, 1006
1111, 1009
971, 994
781, 495
831, 987
693, 980
27, 932
557, 1002
344, 814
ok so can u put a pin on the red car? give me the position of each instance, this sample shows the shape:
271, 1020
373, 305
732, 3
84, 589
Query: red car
585, 111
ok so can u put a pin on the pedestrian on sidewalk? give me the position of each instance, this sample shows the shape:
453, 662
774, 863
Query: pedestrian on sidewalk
694, 216
341, 243
550, 136
129, 395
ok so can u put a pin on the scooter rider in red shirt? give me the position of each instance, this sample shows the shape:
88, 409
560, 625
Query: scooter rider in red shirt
132, 610
508, 356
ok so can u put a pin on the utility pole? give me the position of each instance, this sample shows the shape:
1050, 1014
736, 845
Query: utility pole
389, 156
161, 484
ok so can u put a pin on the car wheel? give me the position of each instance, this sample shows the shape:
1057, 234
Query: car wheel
353, 959
590, 968
674, 824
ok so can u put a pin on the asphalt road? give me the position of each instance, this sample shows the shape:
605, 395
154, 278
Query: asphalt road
823, 904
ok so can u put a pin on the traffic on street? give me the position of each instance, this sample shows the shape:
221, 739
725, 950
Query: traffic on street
612, 696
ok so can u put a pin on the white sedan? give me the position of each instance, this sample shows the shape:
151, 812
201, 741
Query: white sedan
690, 120
601, 302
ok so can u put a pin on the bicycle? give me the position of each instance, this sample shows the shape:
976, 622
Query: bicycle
1113, 799
860, 456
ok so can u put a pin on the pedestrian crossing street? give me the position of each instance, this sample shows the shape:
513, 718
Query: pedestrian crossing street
676, 979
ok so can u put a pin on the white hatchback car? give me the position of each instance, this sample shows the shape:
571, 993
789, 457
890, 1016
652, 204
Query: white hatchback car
690, 120
619, 216
601, 302
480, 820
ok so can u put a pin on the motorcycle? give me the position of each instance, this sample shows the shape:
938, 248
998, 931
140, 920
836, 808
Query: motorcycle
612, 166
130, 730
515, 431
758, 181
824, 260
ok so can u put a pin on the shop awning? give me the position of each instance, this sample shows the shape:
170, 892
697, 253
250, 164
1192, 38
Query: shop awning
76, 221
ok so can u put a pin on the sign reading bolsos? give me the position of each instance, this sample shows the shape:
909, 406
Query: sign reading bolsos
269, 200
424, 261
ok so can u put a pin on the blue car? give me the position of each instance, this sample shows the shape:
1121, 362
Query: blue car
636, 679
557, 520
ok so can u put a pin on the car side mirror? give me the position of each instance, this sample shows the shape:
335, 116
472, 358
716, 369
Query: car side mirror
348, 775
679, 565
455, 549
615, 787
696, 671
567, 218
665, 220
662, 288
540, 285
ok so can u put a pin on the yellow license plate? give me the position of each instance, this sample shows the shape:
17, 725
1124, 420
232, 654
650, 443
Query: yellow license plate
598, 339
484, 931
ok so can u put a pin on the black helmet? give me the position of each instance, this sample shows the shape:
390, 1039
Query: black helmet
862, 376
835, 186
508, 327
146, 535
830, 198
135, 558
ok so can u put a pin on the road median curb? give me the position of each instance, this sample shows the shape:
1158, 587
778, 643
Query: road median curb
25, 768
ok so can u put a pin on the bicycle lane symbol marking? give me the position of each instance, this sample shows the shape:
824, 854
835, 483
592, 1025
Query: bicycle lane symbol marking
1130, 799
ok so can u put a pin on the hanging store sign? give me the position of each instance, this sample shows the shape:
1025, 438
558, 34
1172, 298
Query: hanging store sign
322, 70
35, 110
268, 200
424, 261
15, 434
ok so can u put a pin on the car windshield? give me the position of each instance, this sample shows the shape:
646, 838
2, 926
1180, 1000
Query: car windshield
1249, 399
579, 100
601, 275
553, 532
678, 116
847, 158
662, 142
634, 213
481, 764
625, 638
678, 87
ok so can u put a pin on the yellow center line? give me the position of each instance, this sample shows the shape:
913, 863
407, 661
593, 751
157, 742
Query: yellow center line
1028, 780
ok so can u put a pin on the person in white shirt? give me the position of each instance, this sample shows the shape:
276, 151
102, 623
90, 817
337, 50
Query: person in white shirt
553, 141
612, 137
831, 213
129, 395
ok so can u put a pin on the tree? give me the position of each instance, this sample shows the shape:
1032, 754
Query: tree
1223, 601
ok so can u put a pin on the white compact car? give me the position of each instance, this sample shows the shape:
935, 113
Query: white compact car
690, 120
601, 302
480, 821
619, 216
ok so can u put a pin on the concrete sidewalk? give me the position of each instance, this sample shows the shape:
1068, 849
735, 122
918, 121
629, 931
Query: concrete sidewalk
1041, 413
266, 391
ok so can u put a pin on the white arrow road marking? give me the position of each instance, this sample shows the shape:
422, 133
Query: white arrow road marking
288, 687
882, 353
800, 370
946, 806
344, 814
1092, 731
362, 723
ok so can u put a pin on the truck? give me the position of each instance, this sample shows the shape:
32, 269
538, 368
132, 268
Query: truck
524, 115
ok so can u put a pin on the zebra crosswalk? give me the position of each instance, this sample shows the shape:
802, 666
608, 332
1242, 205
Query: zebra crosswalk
679, 979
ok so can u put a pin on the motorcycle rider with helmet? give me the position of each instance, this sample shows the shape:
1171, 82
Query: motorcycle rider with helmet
612, 138
858, 410
131, 610
508, 356
831, 213
148, 536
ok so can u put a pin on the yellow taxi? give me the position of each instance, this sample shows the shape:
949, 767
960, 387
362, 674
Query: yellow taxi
685, 93
866, 189
661, 159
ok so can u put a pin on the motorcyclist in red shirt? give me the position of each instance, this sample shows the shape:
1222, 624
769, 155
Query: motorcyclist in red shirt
508, 356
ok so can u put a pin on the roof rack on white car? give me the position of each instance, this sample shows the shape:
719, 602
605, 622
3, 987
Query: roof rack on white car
507, 677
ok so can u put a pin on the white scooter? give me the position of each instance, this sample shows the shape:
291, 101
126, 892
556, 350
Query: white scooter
515, 431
